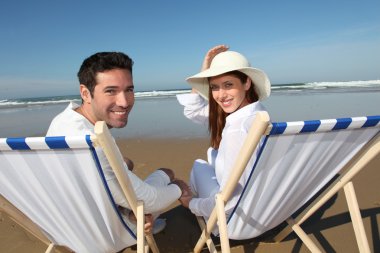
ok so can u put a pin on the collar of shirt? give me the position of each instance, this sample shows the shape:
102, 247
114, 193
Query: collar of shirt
79, 117
247, 110
73, 105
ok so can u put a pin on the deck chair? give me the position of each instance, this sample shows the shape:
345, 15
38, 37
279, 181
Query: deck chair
55, 188
294, 162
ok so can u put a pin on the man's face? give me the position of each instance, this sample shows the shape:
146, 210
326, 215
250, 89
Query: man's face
113, 98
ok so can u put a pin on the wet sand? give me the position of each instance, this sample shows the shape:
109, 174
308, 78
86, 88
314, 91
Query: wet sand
330, 228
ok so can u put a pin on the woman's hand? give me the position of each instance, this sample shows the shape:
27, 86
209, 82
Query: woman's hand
209, 57
211, 54
186, 195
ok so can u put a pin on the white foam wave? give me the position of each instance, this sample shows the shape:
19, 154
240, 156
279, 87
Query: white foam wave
348, 84
159, 93
327, 85
7, 104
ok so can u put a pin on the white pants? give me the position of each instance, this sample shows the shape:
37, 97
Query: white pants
203, 182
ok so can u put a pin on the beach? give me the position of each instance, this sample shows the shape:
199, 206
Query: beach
158, 135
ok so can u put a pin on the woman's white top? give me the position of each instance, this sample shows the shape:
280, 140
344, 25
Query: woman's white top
234, 134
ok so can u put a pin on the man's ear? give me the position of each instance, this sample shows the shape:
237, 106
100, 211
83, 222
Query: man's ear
85, 93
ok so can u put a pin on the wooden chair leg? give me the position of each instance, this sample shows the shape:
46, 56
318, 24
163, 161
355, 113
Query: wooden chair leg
356, 218
222, 224
142, 245
50, 248
303, 236
152, 243
140, 227
209, 242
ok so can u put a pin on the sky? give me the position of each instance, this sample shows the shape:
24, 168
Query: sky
43, 43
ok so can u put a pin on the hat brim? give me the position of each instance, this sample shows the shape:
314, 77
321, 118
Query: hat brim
259, 78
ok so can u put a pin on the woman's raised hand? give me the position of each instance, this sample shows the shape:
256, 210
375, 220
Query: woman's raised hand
211, 54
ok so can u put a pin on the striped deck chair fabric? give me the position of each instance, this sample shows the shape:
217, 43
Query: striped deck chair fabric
58, 183
295, 162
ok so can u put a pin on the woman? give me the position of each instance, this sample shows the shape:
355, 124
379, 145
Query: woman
226, 94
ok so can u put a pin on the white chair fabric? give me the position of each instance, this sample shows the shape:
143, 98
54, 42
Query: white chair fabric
296, 161
59, 184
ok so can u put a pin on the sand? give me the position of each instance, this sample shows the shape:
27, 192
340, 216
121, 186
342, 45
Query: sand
330, 228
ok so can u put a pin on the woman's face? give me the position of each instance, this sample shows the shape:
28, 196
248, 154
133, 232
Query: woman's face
229, 92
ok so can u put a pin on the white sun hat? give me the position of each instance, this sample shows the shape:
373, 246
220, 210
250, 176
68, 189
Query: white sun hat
230, 61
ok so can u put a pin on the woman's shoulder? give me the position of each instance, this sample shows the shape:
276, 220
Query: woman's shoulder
247, 111
257, 106
250, 115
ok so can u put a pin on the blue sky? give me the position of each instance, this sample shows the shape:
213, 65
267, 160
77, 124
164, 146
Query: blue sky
43, 43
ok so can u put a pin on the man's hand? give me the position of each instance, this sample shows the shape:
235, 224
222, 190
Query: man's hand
186, 195
148, 226
129, 163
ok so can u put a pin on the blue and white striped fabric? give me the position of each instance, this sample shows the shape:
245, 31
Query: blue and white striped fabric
59, 184
324, 125
43, 143
296, 160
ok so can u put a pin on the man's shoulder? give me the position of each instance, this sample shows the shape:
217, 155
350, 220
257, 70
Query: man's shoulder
69, 122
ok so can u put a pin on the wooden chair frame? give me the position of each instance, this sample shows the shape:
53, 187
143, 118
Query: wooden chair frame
103, 139
261, 126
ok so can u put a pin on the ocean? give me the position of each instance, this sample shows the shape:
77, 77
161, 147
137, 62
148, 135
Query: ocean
157, 114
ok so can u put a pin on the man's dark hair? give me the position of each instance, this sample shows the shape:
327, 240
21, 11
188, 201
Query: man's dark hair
101, 62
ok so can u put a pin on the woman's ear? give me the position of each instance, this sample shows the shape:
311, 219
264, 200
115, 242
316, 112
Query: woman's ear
248, 84
85, 94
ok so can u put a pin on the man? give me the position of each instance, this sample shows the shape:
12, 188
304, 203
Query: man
107, 91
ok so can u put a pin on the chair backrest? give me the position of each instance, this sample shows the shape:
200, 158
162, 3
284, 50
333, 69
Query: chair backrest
59, 184
296, 160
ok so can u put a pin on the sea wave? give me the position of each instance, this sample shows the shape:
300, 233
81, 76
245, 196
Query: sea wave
27, 102
16, 103
328, 85
293, 88
159, 93
41, 101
